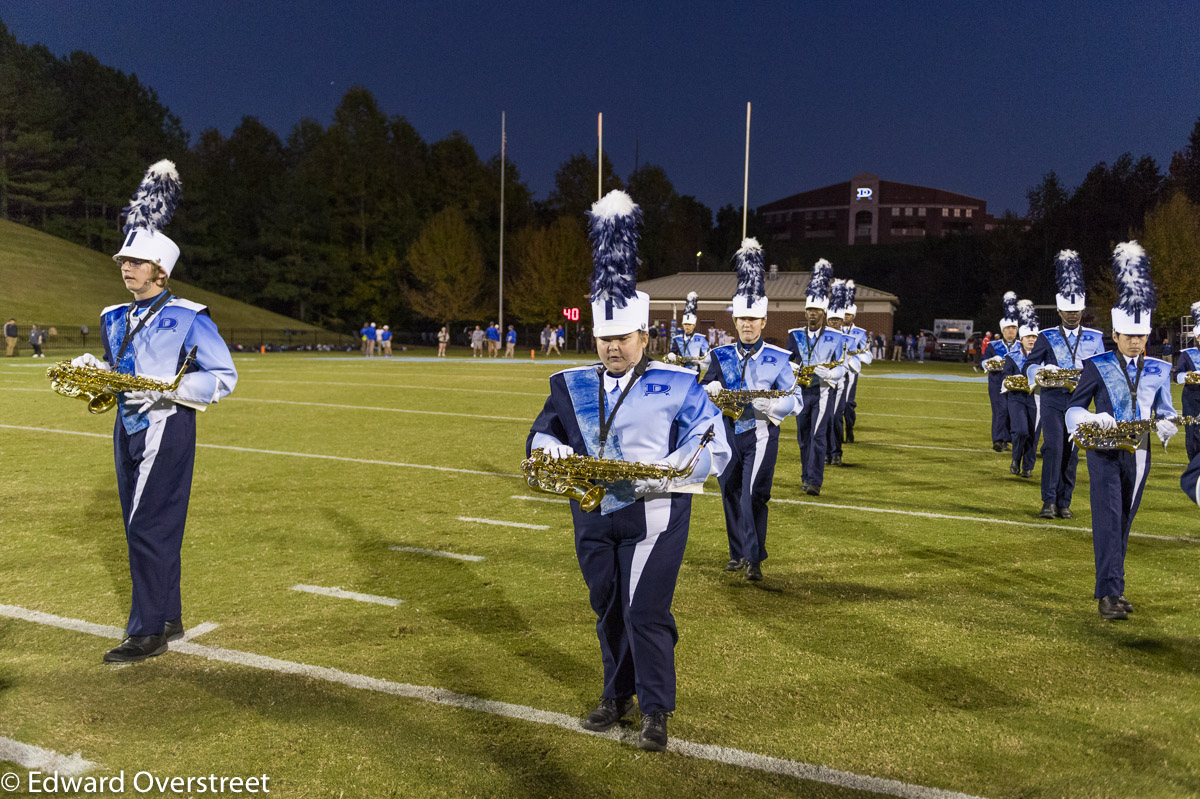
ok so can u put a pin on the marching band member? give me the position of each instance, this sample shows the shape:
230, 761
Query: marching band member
838, 300
688, 343
155, 432
1189, 361
630, 408
1024, 414
752, 364
994, 353
813, 346
1064, 347
861, 346
1124, 385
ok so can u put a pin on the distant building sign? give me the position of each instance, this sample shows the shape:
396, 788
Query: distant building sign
864, 194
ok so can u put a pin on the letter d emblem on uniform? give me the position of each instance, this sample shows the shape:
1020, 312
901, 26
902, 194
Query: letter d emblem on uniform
656, 388
167, 323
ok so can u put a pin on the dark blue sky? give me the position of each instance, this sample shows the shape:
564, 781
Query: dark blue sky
979, 98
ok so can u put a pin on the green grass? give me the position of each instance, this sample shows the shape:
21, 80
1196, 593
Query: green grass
962, 655
50, 281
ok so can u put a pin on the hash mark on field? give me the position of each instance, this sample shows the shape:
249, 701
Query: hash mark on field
48, 761
539, 499
200, 629
389, 410
504, 524
715, 754
340, 594
437, 552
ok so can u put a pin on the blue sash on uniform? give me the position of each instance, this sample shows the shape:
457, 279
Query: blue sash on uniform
1194, 354
731, 368
1116, 381
1062, 352
1001, 348
584, 387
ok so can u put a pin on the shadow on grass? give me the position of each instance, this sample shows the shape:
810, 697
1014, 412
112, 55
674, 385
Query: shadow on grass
95, 524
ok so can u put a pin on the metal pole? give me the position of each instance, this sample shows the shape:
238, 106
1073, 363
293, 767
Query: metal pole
746, 181
600, 156
503, 142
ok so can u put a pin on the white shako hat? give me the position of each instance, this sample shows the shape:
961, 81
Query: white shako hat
851, 290
751, 297
818, 287
618, 308
837, 300
1010, 318
689, 308
150, 208
1136, 298
1068, 273
1026, 318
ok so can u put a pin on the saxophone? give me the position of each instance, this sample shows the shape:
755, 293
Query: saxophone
994, 366
733, 401
99, 387
1058, 378
1019, 383
572, 476
804, 374
1125, 436
1192, 379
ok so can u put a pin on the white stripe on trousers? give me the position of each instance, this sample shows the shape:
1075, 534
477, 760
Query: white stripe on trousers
658, 516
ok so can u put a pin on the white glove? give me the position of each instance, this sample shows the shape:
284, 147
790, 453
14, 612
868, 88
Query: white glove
1165, 429
651, 485
761, 404
147, 400
672, 357
713, 388
557, 451
1106, 420
823, 373
87, 359
704, 362
1180, 378
779, 407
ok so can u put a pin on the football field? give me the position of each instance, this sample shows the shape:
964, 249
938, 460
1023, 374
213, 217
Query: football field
378, 605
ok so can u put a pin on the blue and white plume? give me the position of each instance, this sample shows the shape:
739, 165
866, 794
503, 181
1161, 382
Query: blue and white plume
690, 306
851, 291
1196, 320
1068, 274
618, 308
151, 208
1026, 317
818, 288
1009, 318
837, 300
750, 300
1136, 298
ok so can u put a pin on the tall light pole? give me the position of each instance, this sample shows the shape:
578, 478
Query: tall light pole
698, 260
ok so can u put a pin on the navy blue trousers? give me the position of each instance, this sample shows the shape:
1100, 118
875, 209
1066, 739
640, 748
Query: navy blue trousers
1116, 480
1025, 427
154, 479
851, 414
1060, 456
836, 423
811, 433
1000, 431
1190, 481
630, 561
1191, 407
746, 489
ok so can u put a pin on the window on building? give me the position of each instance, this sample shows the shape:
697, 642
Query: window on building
969, 211
958, 212
945, 212
908, 211
920, 212
808, 214
895, 211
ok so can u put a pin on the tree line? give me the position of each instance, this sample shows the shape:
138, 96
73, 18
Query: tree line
365, 219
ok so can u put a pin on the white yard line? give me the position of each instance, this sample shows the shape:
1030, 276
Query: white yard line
47, 761
920, 417
504, 524
401, 386
437, 553
200, 629
717, 754
523, 419
342, 594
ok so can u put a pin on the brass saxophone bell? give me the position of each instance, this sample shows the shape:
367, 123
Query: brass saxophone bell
101, 402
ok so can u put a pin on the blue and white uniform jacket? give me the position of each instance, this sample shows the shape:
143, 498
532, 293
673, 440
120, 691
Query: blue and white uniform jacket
813, 348
766, 368
693, 346
1104, 382
1054, 349
661, 420
996, 348
860, 344
1014, 366
1189, 361
157, 351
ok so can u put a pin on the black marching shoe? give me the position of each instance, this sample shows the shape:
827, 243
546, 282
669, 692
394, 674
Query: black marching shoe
1064, 512
1110, 608
1014, 469
849, 438
1027, 473
734, 564
1125, 604
653, 737
753, 571
998, 446
1047, 510
828, 460
804, 487
606, 714
135, 648
812, 490
837, 460
173, 630
1008, 446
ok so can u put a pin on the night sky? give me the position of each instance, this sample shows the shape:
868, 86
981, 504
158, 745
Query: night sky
978, 98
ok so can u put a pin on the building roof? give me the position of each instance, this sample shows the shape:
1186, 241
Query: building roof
720, 287
890, 193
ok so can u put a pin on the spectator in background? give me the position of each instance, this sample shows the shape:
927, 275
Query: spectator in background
372, 337
922, 341
897, 346
910, 348
362, 335
37, 337
712, 337
510, 342
546, 339
477, 337
562, 337
653, 333
554, 339
443, 338
10, 338
664, 340
385, 339
493, 340
83, 334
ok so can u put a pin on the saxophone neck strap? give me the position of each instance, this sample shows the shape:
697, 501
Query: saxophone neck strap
131, 330
606, 423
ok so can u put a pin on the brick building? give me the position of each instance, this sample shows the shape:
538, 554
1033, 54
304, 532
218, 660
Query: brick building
785, 306
867, 210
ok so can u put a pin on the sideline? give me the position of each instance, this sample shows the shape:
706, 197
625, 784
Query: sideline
47, 761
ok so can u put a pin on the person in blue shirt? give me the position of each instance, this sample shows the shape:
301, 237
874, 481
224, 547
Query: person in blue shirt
863, 348
688, 347
630, 408
155, 432
1123, 385
835, 317
993, 361
817, 346
367, 333
1024, 419
1065, 347
1189, 361
751, 364
510, 342
385, 340
493, 340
